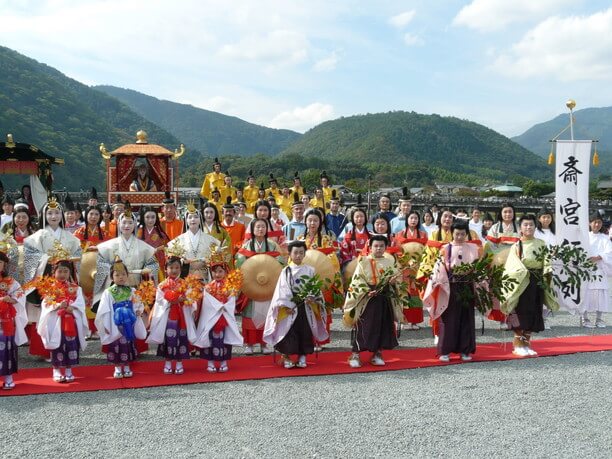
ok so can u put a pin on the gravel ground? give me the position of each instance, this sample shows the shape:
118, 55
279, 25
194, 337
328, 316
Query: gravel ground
546, 407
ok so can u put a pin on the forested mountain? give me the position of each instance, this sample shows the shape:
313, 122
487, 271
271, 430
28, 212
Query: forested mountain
395, 149
393, 138
66, 119
211, 133
590, 123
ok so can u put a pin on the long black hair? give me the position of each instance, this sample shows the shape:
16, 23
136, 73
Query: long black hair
439, 221
252, 241
499, 215
157, 225
316, 212
210, 205
412, 212
98, 228
382, 216
546, 211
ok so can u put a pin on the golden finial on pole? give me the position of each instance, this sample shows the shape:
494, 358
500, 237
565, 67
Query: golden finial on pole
179, 152
104, 152
571, 104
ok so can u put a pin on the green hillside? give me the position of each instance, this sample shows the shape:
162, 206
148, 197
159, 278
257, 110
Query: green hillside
67, 119
403, 138
590, 123
212, 133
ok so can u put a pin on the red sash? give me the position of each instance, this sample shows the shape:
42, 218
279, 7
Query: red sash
7, 318
177, 313
68, 323
506, 239
249, 253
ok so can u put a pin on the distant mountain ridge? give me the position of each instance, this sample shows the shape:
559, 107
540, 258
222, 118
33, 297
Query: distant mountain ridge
407, 137
212, 133
590, 124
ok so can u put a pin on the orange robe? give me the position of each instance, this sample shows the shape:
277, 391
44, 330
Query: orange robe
173, 228
236, 233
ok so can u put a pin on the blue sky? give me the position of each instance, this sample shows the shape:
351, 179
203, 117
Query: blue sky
507, 64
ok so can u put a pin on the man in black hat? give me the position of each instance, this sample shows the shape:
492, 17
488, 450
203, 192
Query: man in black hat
296, 227
227, 189
71, 216
212, 180
326, 188
93, 198
273, 189
297, 184
334, 220
250, 192
398, 223
172, 225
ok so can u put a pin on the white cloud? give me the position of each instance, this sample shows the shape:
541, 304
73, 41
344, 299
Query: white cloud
403, 19
491, 15
327, 63
412, 40
568, 49
277, 47
303, 118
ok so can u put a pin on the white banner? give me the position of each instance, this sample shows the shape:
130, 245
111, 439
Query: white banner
572, 213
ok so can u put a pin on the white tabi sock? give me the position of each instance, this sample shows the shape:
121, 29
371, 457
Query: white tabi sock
8, 379
179, 365
168, 365
126, 368
57, 373
68, 372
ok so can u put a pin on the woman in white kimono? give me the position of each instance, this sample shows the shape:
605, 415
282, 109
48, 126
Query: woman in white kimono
36, 256
195, 243
598, 297
137, 255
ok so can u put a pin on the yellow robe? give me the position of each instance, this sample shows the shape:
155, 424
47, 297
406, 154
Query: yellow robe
212, 180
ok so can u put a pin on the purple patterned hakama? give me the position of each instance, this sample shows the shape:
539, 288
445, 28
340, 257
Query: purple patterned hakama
218, 350
8, 355
176, 344
67, 354
121, 351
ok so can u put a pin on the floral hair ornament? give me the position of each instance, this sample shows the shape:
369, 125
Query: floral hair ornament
191, 207
175, 249
119, 266
58, 253
217, 257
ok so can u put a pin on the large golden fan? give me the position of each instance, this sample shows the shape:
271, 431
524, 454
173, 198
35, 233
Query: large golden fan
349, 270
413, 248
321, 263
87, 272
499, 259
260, 274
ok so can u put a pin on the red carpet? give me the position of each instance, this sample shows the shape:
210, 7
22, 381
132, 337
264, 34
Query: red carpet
149, 374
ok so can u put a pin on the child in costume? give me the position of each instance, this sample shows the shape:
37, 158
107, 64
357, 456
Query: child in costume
295, 323
63, 321
119, 322
172, 320
374, 303
446, 298
13, 319
217, 328
598, 296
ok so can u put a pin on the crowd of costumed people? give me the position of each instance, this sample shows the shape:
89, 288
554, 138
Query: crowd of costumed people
282, 261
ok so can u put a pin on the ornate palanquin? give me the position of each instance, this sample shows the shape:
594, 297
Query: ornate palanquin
162, 166
24, 158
